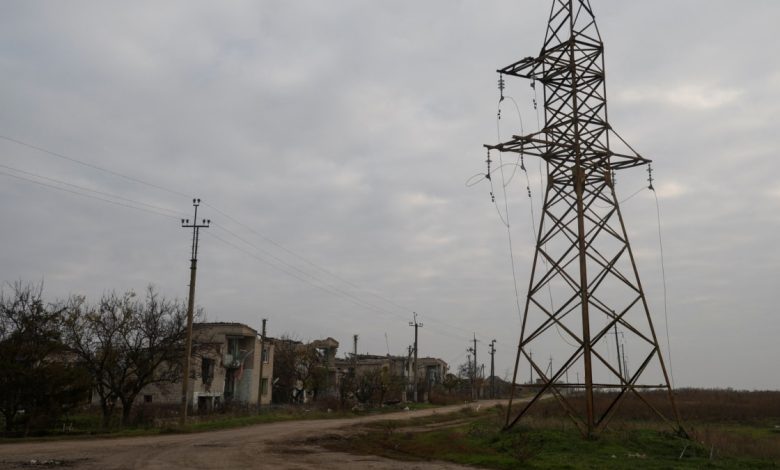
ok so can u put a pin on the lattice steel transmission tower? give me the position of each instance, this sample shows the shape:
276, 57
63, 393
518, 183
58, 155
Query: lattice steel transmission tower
584, 282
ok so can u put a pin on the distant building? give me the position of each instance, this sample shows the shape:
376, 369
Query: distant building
305, 371
430, 371
224, 369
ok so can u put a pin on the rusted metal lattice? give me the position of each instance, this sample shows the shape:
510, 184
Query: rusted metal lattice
584, 287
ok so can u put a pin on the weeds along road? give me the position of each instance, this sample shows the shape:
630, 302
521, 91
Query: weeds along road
259, 446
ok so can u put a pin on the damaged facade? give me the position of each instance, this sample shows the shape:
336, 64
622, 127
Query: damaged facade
224, 369
305, 371
430, 371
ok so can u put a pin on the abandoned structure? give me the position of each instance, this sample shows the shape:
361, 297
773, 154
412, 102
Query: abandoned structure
305, 371
308, 371
430, 371
224, 368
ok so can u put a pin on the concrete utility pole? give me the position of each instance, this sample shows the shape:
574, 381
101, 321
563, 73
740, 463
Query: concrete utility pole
476, 392
492, 369
262, 353
195, 226
408, 370
416, 326
354, 356
617, 347
468, 361
625, 364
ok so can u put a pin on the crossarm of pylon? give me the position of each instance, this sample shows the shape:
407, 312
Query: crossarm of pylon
535, 144
524, 68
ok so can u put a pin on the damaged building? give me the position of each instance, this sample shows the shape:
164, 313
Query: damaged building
225, 368
430, 372
305, 371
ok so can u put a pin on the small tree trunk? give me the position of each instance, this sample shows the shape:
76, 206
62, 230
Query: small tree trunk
127, 405
9, 420
108, 410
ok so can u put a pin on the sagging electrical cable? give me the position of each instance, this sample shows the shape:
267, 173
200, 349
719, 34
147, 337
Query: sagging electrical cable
663, 273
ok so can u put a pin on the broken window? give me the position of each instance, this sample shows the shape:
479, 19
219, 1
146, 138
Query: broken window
207, 370
233, 347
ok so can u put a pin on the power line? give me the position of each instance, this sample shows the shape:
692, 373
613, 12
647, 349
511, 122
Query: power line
156, 210
329, 289
79, 192
336, 289
663, 276
117, 203
317, 266
93, 166
83, 188
146, 183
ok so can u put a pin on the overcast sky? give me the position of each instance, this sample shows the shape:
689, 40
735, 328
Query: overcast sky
332, 142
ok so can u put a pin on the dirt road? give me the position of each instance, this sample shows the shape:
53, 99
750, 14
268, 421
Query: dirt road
253, 447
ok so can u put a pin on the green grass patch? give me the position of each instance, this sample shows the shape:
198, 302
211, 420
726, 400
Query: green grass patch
553, 444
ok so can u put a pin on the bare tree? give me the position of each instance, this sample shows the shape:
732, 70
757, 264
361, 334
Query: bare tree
373, 385
284, 369
126, 344
36, 374
297, 365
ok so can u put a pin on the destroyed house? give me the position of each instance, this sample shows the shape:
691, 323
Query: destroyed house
225, 369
